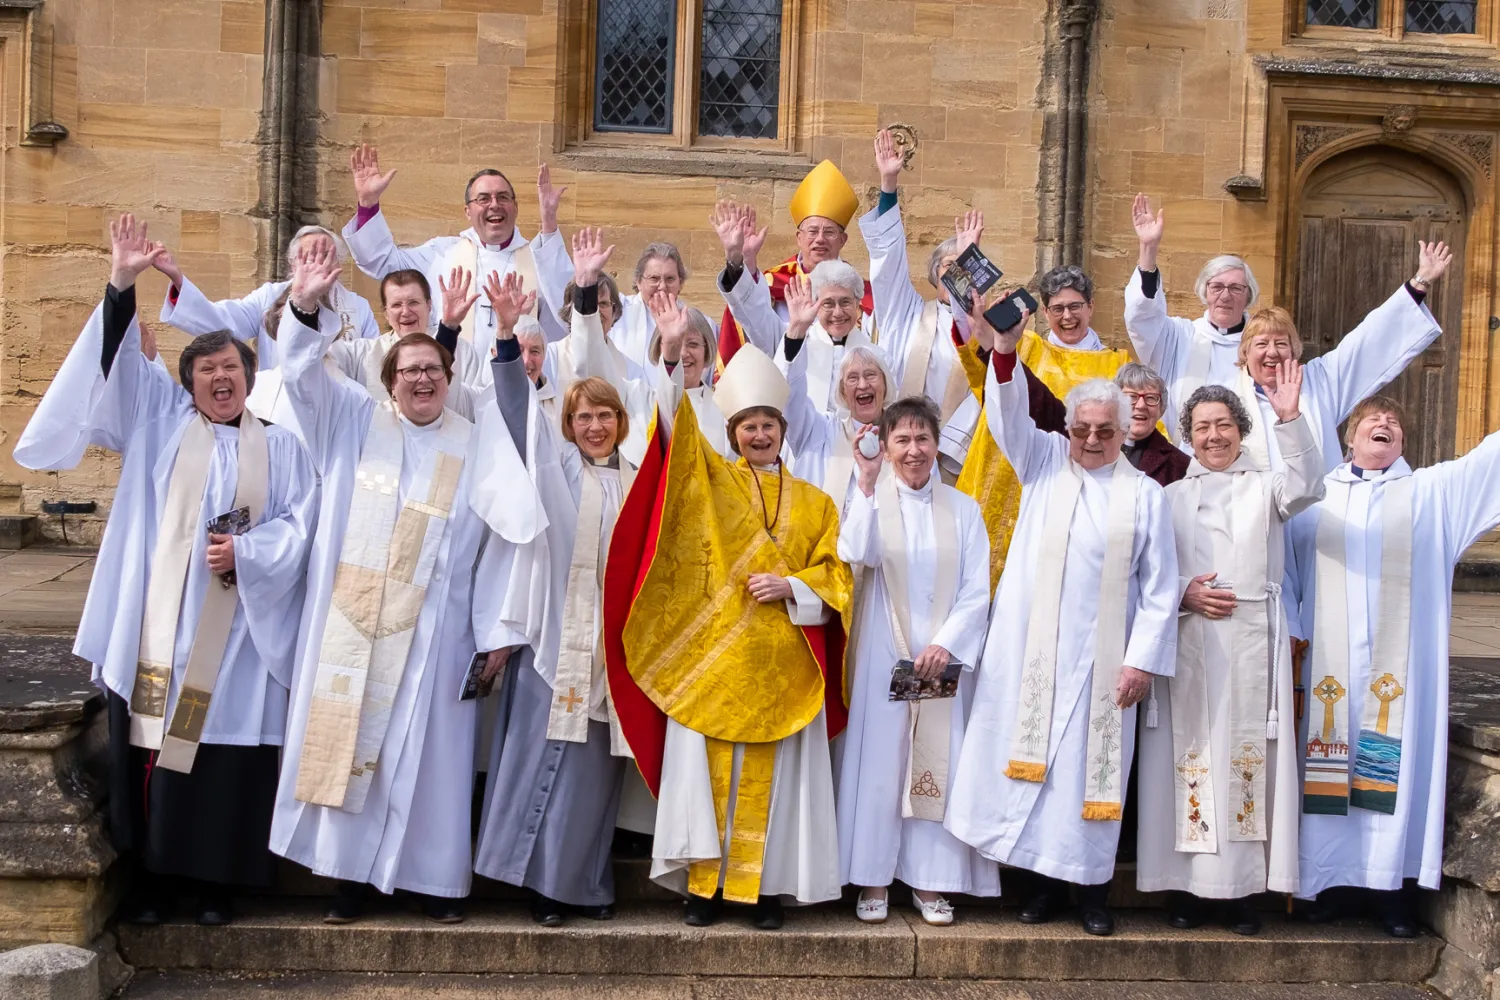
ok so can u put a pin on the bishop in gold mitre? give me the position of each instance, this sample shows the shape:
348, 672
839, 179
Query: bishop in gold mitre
726, 606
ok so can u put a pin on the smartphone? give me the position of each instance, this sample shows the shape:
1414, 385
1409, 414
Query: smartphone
1007, 312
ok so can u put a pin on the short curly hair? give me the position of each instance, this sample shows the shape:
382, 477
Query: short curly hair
1214, 394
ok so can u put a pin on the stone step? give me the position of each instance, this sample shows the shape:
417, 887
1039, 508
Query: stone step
820, 941
354, 986
18, 530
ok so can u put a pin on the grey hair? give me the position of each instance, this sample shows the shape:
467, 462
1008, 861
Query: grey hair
565, 311
527, 328
935, 262
1214, 394
340, 252
1216, 267
660, 251
703, 327
838, 274
1066, 276
1140, 377
213, 343
1098, 390
861, 352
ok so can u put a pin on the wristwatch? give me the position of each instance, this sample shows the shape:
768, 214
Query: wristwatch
1420, 283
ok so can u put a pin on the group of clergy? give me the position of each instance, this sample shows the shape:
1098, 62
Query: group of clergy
544, 569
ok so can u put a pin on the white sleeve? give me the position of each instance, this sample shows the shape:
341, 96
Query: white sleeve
1159, 340
750, 304
962, 633
554, 269
1376, 351
321, 402
1152, 646
1471, 493
376, 253
1030, 450
195, 314
859, 534
805, 607
898, 305
1300, 483
808, 430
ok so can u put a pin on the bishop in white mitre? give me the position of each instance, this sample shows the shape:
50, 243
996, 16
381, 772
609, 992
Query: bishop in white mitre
1374, 571
377, 780
923, 554
1084, 615
190, 631
491, 245
1218, 768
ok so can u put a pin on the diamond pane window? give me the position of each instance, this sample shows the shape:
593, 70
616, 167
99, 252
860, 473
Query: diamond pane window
636, 63
1342, 13
1441, 17
739, 80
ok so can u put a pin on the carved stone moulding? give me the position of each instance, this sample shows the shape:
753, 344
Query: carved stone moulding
1311, 138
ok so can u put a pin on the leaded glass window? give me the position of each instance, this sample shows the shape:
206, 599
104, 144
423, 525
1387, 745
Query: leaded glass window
739, 79
1441, 17
1342, 13
636, 62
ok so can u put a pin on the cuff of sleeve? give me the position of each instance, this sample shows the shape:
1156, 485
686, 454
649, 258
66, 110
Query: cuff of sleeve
1005, 366
586, 299
306, 319
730, 276
887, 202
364, 214
791, 347
1417, 294
508, 349
804, 607
1150, 282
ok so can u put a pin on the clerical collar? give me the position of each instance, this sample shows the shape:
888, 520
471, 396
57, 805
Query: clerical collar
430, 427
612, 462
1088, 342
498, 247
923, 492
1368, 473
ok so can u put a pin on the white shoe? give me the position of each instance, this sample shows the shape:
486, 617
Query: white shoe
872, 909
938, 913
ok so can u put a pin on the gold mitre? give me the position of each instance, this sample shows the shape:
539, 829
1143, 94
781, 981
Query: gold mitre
751, 379
824, 192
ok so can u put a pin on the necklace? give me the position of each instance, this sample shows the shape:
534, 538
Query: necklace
780, 489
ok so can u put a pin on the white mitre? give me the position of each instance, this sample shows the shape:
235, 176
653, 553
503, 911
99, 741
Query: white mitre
751, 379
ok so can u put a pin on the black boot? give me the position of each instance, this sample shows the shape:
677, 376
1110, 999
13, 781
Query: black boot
1241, 916
604, 911
441, 909
1398, 911
1185, 911
215, 905
1092, 902
767, 914
150, 899
1047, 899
630, 844
1326, 907
547, 912
348, 903
702, 911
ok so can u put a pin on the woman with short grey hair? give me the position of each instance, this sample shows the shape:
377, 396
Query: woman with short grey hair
1214, 394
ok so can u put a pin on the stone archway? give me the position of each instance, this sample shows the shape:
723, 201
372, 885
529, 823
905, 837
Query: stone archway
1358, 221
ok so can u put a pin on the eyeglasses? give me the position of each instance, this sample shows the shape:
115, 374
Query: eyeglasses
1059, 308
1216, 289
416, 372
1102, 434
1151, 399
821, 232
501, 198
829, 305
863, 378
602, 418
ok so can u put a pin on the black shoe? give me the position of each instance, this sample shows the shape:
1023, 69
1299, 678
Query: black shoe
547, 912
603, 912
1092, 902
630, 844
1185, 911
1043, 906
1398, 913
1241, 916
1325, 908
767, 914
441, 909
215, 906
702, 911
146, 911
348, 904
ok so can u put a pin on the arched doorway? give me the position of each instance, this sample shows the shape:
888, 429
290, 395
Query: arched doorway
1361, 216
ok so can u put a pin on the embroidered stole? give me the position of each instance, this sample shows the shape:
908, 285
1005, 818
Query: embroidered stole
580, 651
175, 535
919, 357
389, 552
839, 465
1377, 751
1032, 735
1251, 675
465, 254
931, 722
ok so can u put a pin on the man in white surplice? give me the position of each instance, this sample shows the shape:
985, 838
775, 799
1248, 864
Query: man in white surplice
192, 312
194, 740
908, 531
1085, 613
491, 244
1384, 540
1218, 769
378, 775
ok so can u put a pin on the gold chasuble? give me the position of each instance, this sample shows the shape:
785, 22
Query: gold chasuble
986, 475
685, 639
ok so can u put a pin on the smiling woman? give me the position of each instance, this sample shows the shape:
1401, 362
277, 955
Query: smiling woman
220, 372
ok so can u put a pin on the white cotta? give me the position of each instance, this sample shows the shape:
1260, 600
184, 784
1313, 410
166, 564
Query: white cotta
1453, 504
928, 548
141, 412
1040, 825
1218, 774
413, 830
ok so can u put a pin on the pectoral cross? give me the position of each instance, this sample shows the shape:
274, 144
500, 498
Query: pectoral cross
1329, 691
1387, 689
192, 701
570, 700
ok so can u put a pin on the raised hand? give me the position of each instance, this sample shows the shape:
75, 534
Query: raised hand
672, 322
314, 273
868, 469
752, 239
130, 252
457, 299
509, 300
167, 264
1287, 390
548, 198
801, 307
1435, 258
1148, 230
589, 256
969, 229
369, 182
726, 222
889, 160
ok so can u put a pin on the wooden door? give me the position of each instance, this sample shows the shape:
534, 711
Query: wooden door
1361, 216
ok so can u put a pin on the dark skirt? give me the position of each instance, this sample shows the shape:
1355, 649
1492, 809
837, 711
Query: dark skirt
213, 824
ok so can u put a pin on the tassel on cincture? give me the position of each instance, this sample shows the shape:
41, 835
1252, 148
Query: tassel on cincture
1272, 724
1151, 706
